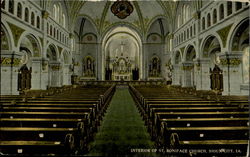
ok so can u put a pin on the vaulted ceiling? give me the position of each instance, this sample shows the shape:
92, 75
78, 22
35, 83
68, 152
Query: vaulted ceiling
144, 14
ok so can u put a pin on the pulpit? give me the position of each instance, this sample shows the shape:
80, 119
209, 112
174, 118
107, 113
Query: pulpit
24, 78
216, 77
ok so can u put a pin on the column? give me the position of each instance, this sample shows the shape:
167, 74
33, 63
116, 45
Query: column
10, 64
55, 70
36, 73
187, 68
176, 75
66, 75
204, 75
197, 74
44, 73
232, 73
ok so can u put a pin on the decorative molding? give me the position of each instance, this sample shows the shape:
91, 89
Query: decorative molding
223, 33
45, 14
10, 61
185, 67
55, 67
122, 9
231, 61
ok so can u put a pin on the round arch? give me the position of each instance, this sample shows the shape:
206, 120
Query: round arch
90, 20
206, 42
177, 57
112, 27
188, 50
51, 46
153, 20
36, 44
7, 31
65, 56
240, 28
121, 29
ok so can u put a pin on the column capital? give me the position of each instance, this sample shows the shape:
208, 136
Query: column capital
45, 14
197, 15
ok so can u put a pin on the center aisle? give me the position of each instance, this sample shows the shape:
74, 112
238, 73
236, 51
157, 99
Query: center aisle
122, 129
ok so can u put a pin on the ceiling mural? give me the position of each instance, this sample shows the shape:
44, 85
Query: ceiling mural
122, 9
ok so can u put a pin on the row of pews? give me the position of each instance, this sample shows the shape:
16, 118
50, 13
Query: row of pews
180, 120
62, 122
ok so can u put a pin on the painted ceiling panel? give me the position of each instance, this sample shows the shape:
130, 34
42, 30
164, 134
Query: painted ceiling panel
150, 9
93, 9
114, 19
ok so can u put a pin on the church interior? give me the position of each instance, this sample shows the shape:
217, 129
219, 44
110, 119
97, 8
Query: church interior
124, 77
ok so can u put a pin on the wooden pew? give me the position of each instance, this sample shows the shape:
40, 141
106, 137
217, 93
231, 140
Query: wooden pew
63, 137
54, 116
171, 136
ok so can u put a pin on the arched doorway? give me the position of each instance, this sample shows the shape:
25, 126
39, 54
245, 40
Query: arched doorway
65, 72
122, 55
54, 79
211, 52
177, 76
239, 58
188, 67
30, 49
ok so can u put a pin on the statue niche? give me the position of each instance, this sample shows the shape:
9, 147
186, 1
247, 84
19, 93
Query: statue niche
155, 67
88, 67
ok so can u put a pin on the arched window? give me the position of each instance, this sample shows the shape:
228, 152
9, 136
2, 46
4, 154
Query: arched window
54, 33
59, 13
208, 20
203, 23
11, 6
179, 21
63, 20
60, 37
57, 34
184, 35
3, 4
38, 22
32, 18
50, 29
19, 10
191, 31
73, 44
229, 8
47, 28
26, 18
194, 30
184, 13
55, 11
238, 5
214, 16
221, 12
187, 33
187, 13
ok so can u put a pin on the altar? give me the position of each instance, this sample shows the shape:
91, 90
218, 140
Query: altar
122, 65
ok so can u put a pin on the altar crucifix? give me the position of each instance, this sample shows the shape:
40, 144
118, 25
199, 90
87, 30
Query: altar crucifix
122, 47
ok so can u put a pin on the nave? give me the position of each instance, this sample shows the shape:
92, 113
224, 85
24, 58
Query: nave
105, 120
